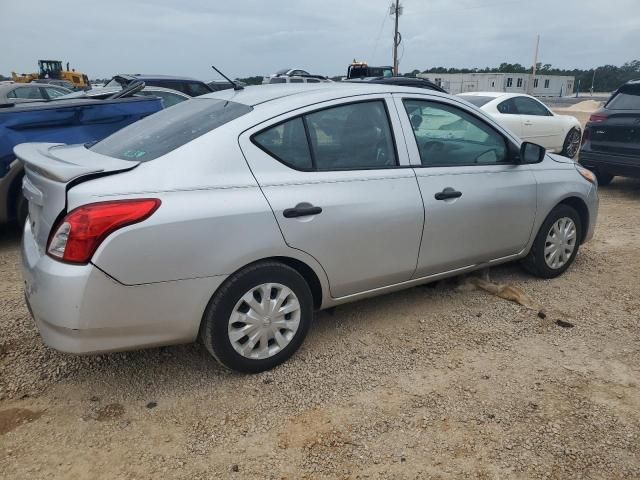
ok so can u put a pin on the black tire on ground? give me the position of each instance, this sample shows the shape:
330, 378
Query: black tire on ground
573, 135
22, 209
215, 322
604, 178
534, 262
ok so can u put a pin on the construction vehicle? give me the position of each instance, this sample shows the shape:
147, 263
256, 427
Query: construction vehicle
52, 69
363, 70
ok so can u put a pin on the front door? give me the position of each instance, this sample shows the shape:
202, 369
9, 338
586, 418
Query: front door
539, 125
341, 191
479, 206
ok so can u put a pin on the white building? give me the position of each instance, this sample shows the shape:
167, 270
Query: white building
541, 86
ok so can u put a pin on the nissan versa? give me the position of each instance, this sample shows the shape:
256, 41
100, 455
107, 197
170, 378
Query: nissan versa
231, 217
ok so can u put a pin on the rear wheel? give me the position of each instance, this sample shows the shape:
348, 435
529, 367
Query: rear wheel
258, 318
604, 178
571, 145
556, 244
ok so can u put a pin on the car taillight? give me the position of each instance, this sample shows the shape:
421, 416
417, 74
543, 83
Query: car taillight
83, 229
597, 117
585, 136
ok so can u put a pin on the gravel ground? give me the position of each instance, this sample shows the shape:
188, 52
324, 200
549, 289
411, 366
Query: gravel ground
432, 382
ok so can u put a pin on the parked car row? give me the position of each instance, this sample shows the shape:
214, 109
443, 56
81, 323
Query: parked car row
231, 217
76, 117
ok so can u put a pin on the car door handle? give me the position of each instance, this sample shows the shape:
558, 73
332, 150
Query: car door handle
528, 123
301, 210
447, 193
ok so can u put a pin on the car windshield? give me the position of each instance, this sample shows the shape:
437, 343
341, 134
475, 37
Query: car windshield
476, 100
625, 99
169, 129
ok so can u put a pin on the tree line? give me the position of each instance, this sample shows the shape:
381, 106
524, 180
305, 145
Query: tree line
606, 79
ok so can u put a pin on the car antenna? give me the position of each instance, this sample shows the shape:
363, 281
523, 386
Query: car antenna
236, 86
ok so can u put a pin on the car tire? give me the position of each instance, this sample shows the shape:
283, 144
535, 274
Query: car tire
22, 209
540, 261
228, 316
604, 178
571, 145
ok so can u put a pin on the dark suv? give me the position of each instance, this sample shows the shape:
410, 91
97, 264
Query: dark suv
186, 85
611, 140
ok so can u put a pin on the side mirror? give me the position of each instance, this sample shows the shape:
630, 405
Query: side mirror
531, 153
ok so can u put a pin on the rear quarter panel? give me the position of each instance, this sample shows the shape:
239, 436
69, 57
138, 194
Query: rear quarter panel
213, 219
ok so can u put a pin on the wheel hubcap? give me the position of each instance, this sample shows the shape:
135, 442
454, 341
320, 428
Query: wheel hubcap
264, 321
560, 243
574, 144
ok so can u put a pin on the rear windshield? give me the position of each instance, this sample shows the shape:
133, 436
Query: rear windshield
476, 100
625, 99
169, 129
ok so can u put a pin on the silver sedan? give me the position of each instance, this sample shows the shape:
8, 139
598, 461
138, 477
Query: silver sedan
231, 217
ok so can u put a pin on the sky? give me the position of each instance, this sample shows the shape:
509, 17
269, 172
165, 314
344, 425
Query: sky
252, 37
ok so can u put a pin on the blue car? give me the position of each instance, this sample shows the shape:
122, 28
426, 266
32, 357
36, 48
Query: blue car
71, 121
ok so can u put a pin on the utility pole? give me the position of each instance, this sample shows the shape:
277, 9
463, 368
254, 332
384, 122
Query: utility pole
593, 80
396, 10
535, 66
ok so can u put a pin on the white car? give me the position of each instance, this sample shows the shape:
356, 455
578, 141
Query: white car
530, 120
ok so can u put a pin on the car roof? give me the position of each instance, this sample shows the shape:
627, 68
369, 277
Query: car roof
258, 94
495, 94
148, 76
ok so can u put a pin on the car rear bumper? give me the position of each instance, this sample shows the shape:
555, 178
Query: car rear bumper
614, 164
80, 309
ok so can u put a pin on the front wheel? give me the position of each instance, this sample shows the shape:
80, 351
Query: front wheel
556, 244
571, 145
258, 318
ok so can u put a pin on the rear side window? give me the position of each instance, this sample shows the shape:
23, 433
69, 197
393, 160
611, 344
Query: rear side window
629, 100
476, 100
355, 136
169, 129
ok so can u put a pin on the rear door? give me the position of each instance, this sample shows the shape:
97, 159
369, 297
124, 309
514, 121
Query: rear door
539, 125
342, 190
479, 205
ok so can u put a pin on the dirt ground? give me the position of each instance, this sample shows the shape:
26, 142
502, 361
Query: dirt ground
432, 382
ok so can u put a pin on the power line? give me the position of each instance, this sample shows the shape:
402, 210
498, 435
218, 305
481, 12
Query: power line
375, 49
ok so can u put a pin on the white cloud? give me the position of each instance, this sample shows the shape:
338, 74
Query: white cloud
249, 37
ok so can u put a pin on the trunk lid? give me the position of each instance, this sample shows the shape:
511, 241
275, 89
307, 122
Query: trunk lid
618, 134
50, 170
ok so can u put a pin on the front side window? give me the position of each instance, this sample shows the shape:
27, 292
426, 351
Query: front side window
529, 106
356, 136
296, 80
278, 80
448, 136
54, 92
168, 129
